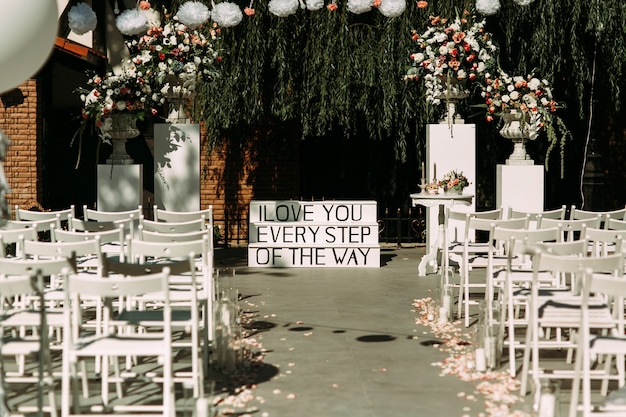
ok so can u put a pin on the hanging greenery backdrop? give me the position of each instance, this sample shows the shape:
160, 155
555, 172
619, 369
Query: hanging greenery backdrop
338, 70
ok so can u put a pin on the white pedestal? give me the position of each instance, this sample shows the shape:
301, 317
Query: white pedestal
520, 187
120, 187
177, 166
449, 147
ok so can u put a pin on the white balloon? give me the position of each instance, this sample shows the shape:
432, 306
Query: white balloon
28, 29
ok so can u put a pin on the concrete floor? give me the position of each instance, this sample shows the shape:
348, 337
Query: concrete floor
344, 342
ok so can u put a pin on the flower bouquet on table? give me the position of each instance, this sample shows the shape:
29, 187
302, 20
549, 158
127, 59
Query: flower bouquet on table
454, 182
452, 54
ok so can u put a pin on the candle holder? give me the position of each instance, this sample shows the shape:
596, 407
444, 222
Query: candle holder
422, 186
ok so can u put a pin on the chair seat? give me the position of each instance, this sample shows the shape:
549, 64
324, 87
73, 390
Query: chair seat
32, 318
26, 346
119, 346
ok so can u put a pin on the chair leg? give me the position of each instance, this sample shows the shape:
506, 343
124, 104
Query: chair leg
573, 406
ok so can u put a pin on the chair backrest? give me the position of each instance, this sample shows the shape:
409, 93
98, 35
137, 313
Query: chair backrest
114, 287
29, 266
572, 229
88, 253
111, 216
533, 216
17, 236
117, 234
576, 214
605, 241
173, 227
150, 236
162, 215
38, 225
615, 224
52, 215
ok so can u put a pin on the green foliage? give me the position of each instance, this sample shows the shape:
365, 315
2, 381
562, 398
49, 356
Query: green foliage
334, 70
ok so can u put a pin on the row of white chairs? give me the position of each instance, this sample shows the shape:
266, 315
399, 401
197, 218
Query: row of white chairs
185, 305
542, 297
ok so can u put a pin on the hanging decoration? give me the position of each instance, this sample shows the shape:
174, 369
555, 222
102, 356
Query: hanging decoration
283, 8
82, 19
487, 7
360, 6
227, 14
193, 14
392, 8
132, 22
314, 4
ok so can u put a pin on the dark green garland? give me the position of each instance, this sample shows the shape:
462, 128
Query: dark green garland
336, 70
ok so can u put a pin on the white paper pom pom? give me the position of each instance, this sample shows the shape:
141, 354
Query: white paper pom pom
360, 6
193, 14
487, 7
314, 4
227, 14
523, 2
81, 19
392, 8
283, 8
132, 22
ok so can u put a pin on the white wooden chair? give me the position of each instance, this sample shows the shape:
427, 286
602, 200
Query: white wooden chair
130, 218
25, 327
517, 274
534, 218
186, 315
591, 344
162, 215
453, 249
111, 241
173, 227
572, 229
495, 257
562, 310
82, 344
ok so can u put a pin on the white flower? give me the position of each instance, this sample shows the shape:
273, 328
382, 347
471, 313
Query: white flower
505, 98
418, 57
120, 105
461, 74
510, 88
443, 50
514, 95
534, 84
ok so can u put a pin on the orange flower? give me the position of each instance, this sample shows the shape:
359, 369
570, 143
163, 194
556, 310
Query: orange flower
332, 7
422, 4
249, 11
458, 37
144, 5
377, 3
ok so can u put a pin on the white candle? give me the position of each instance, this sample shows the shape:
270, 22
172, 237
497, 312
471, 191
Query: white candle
443, 315
481, 364
422, 172
434, 171
547, 404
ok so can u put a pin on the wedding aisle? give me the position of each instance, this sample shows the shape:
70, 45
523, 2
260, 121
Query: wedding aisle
353, 342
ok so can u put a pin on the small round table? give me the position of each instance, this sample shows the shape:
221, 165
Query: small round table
441, 200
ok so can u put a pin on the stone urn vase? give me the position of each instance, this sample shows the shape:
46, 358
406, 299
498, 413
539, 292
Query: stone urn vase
517, 127
454, 91
124, 127
177, 90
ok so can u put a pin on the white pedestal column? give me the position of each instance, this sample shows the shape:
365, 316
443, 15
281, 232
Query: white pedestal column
449, 147
520, 187
120, 187
177, 166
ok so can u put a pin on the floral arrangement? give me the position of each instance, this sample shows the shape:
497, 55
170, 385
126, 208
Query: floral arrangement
454, 180
457, 50
532, 97
127, 92
528, 95
176, 49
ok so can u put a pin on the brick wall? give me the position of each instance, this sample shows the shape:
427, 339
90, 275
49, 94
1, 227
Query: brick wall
21, 119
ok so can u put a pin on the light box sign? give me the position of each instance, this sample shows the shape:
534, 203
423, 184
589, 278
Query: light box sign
313, 234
